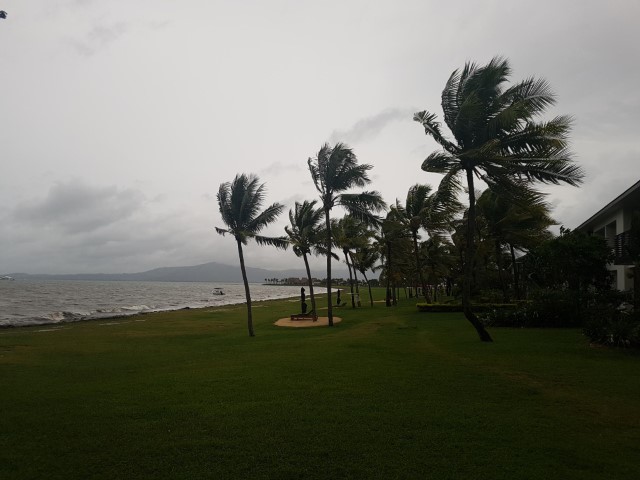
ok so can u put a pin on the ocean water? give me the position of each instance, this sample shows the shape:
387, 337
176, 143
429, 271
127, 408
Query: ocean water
29, 302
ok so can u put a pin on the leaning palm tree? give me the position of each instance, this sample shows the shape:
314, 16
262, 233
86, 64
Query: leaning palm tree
240, 202
334, 171
306, 235
498, 140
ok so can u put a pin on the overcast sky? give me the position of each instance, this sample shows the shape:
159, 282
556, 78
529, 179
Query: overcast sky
119, 120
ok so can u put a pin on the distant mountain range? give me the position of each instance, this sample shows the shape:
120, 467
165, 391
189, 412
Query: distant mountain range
207, 272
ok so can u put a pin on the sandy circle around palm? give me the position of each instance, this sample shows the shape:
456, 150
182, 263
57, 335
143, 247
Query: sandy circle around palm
321, 322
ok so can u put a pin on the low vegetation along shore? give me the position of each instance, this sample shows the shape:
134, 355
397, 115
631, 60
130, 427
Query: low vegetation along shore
387, 393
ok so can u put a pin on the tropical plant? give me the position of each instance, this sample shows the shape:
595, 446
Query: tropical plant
393, 244
424, 210
334, 171
350, 235
240, 202
497, 140
364, 259
512, 226
306, 235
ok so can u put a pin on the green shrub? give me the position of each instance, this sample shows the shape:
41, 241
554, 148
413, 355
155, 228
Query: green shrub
519, 317
618, 329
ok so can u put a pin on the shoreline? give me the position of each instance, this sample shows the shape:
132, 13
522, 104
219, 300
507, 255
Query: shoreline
67, 317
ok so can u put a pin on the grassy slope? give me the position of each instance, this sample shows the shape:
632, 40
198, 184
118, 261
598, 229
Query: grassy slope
388, 393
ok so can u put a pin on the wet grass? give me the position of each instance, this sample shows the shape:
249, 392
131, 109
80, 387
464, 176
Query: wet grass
387, 393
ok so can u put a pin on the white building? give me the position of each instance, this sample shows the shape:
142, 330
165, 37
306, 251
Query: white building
613, 222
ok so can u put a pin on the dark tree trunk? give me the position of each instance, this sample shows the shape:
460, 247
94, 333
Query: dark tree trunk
246, 289
328, 247
369, 287
355, 277
468, 264
311, 294
503, 283
419, 266
388, 296
636, 288
346, 259
514, 268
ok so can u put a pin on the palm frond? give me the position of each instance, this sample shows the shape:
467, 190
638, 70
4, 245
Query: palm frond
432, 128
369, 201
264, 218
278, 242
440, 162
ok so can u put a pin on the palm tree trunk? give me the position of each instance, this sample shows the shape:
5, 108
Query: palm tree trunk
503, 283
369, 287
419, 267
388, 301
636, 287
468, 264
328, 247
346, 259
246, 289
311, 294
514, 267
355, 277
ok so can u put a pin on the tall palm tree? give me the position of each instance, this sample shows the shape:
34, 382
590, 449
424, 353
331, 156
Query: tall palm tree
349, 235
366, 259
392, 246
306, 234
240, 202
334, 171
498, 140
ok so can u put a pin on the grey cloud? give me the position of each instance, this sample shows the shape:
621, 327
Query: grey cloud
74, 207
369, 127
98, 38
277, 168
43, 236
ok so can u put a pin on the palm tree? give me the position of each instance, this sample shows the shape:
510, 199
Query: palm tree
514, 226
423, 209
335, 170
392, 244
497, 140
240, 202
306, 234
349, 235
366, 259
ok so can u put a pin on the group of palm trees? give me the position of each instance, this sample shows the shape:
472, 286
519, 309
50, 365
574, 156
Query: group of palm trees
496, 138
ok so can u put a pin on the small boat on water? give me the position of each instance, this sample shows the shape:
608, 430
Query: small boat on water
218, 291
6, 277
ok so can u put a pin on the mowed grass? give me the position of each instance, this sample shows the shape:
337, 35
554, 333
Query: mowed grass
387, 393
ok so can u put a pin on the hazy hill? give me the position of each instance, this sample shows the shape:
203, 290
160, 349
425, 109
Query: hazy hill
207, 272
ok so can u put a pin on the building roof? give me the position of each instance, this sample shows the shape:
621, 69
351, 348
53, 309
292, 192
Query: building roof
629, 199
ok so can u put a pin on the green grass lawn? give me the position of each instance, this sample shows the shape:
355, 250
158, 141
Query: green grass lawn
387, 393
